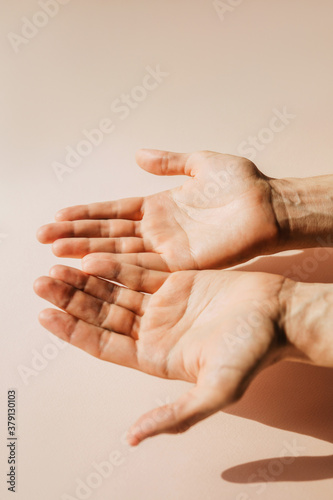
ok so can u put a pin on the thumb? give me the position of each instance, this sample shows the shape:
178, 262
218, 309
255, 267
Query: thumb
163, 162
197, 404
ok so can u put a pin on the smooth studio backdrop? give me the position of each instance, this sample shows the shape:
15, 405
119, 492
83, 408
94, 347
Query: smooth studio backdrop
219, 73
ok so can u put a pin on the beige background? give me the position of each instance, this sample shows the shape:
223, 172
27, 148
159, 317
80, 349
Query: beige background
225, 78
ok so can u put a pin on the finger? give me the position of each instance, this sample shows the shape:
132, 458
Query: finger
127, 208
164, 162
101, 289
134, 277
105, 345
88, 229
190, 408
79, 247
86, 307
148, 260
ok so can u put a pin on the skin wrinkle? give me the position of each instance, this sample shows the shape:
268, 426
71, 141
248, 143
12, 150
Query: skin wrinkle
118, 245
157, 355
89, 243
114, 301
72, 332
206, 305
194, 339
143, 209
105, 229
142, 280
105, 343
164, 163
103, 314
88, 208
227, 204
187, 168
166, 365
276, 193
114, 293
135, 327
164, 262
286, 283
196, 265
169, 355
136, 229
145, 249
84, 286
70, 294
194, 162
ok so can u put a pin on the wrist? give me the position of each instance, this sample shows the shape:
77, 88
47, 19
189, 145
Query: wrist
304, 211
307, 320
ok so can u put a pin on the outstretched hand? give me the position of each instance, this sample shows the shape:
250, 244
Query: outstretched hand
221, 216
216, 329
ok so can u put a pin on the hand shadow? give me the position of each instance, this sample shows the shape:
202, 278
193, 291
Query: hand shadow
294, 397
313, 265
289, 395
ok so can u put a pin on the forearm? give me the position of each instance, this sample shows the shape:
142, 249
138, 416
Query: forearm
304, 211
308, 320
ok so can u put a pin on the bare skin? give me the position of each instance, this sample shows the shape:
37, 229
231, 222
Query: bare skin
222, 215
225, 213
215, 329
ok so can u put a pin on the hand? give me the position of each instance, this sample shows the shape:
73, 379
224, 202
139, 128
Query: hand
221, 216
216, 329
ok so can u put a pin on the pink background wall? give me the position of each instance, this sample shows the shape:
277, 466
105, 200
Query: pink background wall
226, 75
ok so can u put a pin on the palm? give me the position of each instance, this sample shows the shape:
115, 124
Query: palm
186, 326
221, 216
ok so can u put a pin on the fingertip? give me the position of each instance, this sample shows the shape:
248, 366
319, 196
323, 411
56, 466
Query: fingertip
144, 155
132, 440
45, 316
38, 285
57, 248
42, 316
88, 262
143, 151
54, 271
40, 234
61, 215
134, 436
87, 258
35, 286
93, 259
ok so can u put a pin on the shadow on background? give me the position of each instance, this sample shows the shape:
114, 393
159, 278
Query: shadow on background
302, 469
291, 396
311, 265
